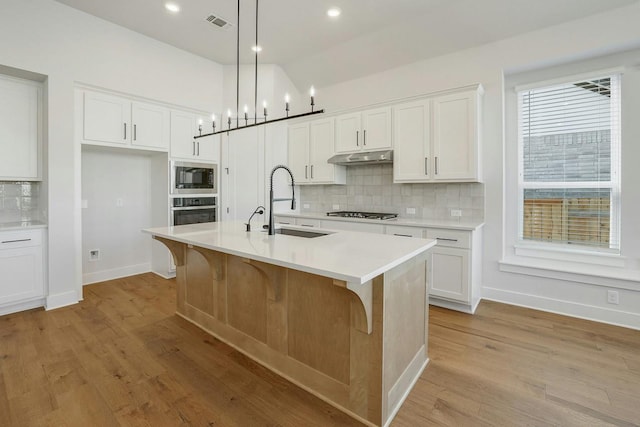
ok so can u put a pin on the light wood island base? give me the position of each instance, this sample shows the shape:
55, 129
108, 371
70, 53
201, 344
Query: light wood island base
359, 347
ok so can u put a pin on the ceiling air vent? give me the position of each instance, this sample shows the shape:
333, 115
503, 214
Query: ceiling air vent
219, 22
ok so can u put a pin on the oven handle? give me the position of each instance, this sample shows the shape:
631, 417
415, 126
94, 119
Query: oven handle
193, 208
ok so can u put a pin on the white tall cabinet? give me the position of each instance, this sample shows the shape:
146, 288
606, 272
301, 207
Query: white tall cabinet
437, 139
310, 145
20, 129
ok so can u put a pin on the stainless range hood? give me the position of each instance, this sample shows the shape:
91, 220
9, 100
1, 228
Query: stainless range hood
364, 157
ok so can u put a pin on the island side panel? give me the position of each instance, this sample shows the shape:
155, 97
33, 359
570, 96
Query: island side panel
405, 330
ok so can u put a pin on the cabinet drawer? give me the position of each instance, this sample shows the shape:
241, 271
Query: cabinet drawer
20, 239
304, 222
399, 230
353, 226
450, 238
284, 220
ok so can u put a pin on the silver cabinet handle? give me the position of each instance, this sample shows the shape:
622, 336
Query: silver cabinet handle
306, 169
364, 137
311, 171
436, 166
194, 147
16, 241
135, 132
125, 131
402, 235
198, 148
446, 240
306, 225
357, 138
426, 166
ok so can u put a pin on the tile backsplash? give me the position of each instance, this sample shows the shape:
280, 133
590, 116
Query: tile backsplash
370, 188
20, 201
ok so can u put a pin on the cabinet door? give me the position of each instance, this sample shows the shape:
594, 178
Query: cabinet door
150, 126
298, 147
322, 146
348, 133
412, 160
19, 129
106, 118
376, 129
449, 274
455, 136
21, 266
183, 129
208, 149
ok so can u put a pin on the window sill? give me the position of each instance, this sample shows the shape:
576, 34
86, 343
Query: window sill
570, 255
574, 271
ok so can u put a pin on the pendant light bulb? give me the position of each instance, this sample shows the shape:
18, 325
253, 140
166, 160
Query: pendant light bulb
312, 91
286, 97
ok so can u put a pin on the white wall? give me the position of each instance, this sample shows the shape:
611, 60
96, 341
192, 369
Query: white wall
614, 30
113, 228
69, 46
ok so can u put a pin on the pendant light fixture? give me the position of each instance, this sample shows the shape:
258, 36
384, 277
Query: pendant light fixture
257, 121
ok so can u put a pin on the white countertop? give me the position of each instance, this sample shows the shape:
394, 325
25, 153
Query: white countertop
350, 256
22, 225
425, 223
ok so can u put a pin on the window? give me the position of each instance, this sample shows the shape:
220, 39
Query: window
569, 161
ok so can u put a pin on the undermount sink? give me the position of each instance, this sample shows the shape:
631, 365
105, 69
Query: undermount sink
299, 233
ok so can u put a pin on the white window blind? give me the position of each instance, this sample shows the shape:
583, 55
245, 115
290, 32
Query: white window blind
569, 153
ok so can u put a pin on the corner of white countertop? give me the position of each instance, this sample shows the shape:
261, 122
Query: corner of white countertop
468, 225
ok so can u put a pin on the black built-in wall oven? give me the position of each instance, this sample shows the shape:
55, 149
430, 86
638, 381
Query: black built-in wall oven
193, 210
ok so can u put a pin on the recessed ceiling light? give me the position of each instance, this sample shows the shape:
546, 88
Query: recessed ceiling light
256, 48
334, 12
172, 7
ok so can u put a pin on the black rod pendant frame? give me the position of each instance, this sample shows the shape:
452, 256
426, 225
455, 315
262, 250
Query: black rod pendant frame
310, 113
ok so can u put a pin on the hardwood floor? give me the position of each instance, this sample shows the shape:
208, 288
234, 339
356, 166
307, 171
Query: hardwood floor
122, 358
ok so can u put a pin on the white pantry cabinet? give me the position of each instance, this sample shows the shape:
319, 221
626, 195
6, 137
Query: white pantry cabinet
20, 129
367, 130
437, 139
184, 126
115, 120
310, 145
21, 263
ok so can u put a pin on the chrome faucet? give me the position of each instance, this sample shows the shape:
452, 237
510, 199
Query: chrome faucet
272, 230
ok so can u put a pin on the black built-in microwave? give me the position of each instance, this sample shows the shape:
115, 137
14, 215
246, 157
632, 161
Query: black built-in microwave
194, 178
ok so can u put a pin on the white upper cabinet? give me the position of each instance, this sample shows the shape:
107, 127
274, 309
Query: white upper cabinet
412, 141
184, 126
110, 119
310, 146
437, 139
366, 130
150, 125
456, 136
20, 129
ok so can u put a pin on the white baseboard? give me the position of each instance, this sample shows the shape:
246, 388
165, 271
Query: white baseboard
28, 305
566, 308
465, 308
61, 300
116, 273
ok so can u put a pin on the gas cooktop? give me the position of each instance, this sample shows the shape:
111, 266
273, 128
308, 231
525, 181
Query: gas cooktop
364, 215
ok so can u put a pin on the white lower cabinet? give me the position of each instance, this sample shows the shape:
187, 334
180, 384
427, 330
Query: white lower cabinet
353, 226
22, 283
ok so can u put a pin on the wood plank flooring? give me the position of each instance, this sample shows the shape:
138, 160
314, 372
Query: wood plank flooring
122, 358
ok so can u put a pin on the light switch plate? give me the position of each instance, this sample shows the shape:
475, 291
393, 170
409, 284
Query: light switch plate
456, 212
305, 206
411, 211
335, 207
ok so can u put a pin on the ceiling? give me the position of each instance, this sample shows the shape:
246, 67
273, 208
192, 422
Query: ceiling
370, 35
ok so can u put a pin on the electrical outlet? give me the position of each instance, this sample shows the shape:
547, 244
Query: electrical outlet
305, 205
85, 204
456, 212
411, 211
336, 207
613, 297
119, 202
94, 254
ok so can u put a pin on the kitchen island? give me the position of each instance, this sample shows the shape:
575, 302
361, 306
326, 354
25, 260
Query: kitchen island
344, 314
